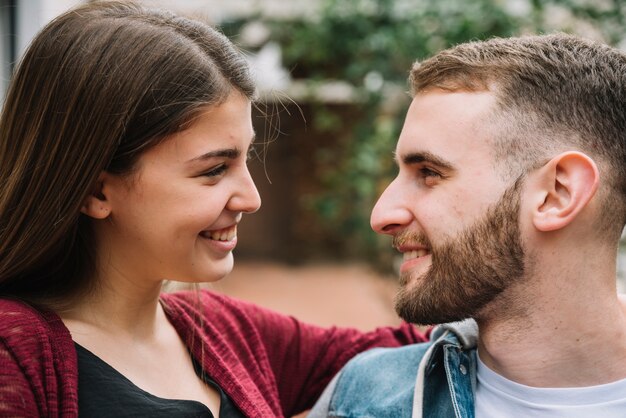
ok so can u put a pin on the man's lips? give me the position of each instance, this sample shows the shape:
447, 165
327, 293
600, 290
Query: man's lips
413, 254
412, 251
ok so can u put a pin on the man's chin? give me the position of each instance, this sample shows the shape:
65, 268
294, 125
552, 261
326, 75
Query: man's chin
411, 279
418, 305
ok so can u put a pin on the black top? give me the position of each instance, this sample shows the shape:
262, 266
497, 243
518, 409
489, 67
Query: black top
103, 392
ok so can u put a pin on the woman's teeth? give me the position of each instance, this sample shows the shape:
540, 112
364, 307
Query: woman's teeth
226, 234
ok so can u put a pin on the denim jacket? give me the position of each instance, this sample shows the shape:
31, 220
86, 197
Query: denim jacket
429, 380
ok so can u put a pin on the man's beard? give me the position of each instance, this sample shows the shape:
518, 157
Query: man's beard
469, 270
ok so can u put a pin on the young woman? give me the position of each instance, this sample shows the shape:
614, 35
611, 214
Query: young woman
123, 145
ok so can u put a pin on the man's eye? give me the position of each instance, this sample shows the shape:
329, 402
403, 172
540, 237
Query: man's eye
217, 171
429, 177
427, 172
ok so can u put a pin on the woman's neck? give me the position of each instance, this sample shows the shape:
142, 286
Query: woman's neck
117, 306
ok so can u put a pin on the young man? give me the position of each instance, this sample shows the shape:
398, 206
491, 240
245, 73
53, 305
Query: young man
508, 208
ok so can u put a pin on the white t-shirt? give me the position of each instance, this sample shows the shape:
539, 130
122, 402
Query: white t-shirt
497, 396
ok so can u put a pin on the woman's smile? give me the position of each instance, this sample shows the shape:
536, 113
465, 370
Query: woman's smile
224, 240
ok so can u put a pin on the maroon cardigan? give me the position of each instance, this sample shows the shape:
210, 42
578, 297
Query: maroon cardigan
271, 365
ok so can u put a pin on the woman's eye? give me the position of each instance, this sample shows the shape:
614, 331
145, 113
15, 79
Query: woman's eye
252, 153
216, 172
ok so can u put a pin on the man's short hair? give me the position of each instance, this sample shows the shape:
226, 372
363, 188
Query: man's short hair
554, 93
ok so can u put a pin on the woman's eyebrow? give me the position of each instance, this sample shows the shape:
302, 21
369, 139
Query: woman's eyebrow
230, 153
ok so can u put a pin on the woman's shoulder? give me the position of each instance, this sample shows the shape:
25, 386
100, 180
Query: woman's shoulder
26, 329
195, 300
205, 306
190, 299
37, 358
16, 316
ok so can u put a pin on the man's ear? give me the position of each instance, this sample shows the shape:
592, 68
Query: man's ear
565, 186
96, 205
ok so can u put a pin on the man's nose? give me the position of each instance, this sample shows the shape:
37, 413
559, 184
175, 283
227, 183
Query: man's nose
391, 212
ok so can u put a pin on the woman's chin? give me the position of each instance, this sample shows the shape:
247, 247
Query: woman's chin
213, 272
216, 273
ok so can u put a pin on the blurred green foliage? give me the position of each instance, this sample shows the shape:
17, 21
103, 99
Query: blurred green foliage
371, 44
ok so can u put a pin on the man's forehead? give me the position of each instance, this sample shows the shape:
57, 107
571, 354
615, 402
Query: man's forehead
451, 125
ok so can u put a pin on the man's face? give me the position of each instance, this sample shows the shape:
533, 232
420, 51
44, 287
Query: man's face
452, 213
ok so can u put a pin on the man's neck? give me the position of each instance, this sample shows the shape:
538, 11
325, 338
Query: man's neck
568, 330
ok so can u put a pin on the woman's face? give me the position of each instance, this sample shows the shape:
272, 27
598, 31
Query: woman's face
176, 217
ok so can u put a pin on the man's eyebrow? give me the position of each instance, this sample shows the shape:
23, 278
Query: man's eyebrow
426, 157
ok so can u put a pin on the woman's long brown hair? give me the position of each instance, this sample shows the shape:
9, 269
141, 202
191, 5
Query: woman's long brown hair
97, 87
